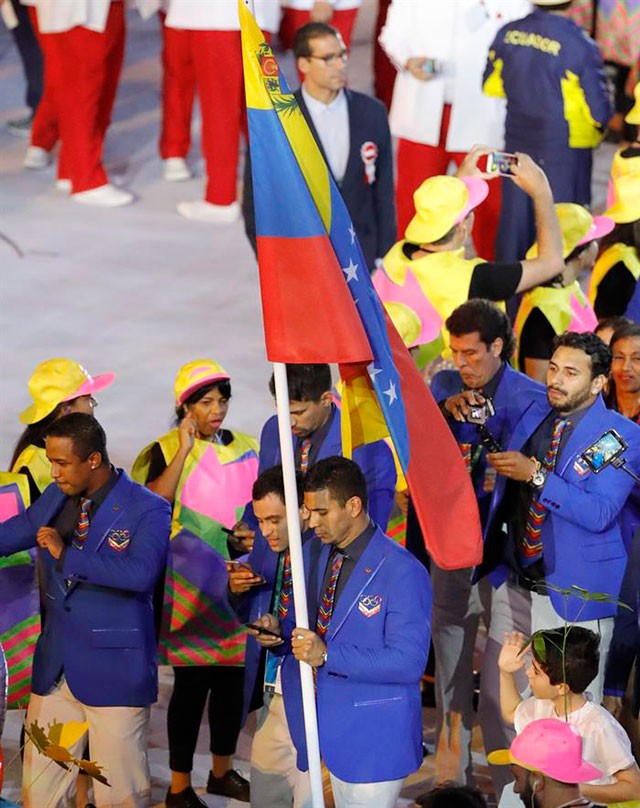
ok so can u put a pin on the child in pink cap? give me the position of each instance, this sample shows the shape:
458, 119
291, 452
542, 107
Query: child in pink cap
558, 687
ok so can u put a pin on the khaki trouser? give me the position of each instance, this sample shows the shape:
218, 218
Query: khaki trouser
118, 741
275, 778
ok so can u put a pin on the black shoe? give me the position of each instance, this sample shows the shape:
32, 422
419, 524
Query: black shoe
231, 784
21, 127
184, 799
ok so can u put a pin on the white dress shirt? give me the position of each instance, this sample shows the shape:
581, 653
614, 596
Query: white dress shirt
332, 125
219, 15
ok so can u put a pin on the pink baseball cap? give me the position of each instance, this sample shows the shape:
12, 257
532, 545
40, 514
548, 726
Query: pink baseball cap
550, 746
601, 226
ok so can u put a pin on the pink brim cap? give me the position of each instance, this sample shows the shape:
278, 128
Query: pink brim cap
478, 192
566, 773
215, 377
92, 385
602, 226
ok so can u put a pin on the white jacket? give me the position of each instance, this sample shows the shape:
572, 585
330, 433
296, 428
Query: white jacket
58, 16
458, 33
307, 5
219, 15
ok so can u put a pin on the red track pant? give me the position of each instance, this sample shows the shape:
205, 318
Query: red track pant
44, 129
84, 68
418, 161
294, 18
210, 61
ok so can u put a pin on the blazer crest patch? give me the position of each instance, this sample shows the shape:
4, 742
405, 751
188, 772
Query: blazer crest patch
369, 605
119, 539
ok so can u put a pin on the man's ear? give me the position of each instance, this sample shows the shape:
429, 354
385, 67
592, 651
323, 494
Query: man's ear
327, 398
354, 506
496, 346
598, 384
95, 460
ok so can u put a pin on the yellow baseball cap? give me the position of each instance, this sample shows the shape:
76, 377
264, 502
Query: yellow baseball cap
194, 375
58, 380
440, 203
633, 116
407, 323
626, 207
578, 227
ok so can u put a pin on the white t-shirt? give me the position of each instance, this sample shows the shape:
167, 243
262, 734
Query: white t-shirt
604, 743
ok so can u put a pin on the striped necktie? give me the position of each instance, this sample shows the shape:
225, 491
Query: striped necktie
305, 449
531, 544
82, 527
286, 588
328, 596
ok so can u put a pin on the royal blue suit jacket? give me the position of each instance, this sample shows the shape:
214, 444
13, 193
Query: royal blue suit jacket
368, 691
371, 206
375, 460
581, 536
513, 395
98, 612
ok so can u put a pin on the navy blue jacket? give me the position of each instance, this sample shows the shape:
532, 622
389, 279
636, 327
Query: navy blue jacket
99, 629
371, 206
581, 536
553, 78
513, 395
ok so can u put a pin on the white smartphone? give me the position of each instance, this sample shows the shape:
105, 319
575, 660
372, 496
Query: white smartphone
500, 163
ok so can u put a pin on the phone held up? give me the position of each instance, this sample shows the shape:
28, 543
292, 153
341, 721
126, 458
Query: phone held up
432, 66
500, 163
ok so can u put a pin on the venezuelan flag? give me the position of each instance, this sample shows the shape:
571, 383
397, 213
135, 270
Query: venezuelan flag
319, 305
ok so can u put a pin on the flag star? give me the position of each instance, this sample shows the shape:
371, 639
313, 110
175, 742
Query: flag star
351, 272
391, 392
373, 371
352, 233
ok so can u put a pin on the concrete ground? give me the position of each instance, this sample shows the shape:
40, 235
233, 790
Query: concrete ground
139, 290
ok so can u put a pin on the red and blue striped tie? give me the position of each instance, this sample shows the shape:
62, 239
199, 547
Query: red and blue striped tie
531, 543
82, 527
305, 449
286, 588
328, 596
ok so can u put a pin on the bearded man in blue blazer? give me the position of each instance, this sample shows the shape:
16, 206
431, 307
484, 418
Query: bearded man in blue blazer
555, 519
102, 545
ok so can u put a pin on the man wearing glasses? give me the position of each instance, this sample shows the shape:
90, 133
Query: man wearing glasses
353, 134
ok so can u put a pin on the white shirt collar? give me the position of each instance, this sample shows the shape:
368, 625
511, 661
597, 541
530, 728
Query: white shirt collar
316, 107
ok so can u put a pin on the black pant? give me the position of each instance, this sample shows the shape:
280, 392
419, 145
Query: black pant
224, 687
30, 54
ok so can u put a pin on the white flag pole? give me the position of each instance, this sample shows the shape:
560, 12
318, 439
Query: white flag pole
297, 573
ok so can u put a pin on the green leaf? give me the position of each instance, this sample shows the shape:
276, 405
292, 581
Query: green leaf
539, 647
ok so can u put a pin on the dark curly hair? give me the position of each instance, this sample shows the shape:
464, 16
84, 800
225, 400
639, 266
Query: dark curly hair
592, 345
488, 320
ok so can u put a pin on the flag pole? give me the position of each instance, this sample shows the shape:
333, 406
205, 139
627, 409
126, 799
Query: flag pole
297, 574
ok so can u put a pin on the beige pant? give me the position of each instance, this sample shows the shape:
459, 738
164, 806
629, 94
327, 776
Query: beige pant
118, 740
275, 779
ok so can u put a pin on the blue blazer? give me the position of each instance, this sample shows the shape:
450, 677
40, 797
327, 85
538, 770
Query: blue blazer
513, 395
99, 627
369, 703
375, 460
581, 535
371, 206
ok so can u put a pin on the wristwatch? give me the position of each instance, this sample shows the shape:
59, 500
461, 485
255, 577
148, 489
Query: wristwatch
538, 476
324, 658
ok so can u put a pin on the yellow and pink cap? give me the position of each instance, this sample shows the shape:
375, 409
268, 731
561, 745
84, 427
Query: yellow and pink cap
440, 203
194, 375
58, 380
578, 227
550, 746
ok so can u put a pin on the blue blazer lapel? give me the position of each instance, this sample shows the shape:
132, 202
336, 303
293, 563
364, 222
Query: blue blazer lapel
531, 419
365, 571
332, 444
354, 139
587, 431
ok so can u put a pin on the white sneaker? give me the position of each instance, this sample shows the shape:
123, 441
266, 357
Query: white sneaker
176, 169
107, 196
202, 211
36, 158
63, 185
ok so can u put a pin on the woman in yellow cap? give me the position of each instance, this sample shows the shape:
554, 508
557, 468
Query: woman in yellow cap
57, 387
617, 269
560, 304
627, 160
207, 472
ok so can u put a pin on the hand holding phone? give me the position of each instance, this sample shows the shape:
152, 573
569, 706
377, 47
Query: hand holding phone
242, 577
266, 630
501, 163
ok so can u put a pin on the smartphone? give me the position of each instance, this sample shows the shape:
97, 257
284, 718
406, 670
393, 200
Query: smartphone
227, 530
262, 630
238, 565
431, 66
606, 449
500, 163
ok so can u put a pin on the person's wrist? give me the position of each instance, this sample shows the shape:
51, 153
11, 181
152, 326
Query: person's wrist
534, 470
